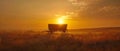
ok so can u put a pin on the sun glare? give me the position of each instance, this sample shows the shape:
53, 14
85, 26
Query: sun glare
61, 19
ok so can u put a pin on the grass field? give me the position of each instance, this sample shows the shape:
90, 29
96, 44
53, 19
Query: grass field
74, 40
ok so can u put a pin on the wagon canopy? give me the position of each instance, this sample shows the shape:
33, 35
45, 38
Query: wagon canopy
57, 27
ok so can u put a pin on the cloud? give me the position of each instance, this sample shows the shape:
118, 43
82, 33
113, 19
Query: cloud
97, 8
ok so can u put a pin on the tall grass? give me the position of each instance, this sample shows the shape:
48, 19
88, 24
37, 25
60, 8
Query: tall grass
36, 41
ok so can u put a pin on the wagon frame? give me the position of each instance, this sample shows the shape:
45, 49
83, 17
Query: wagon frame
57, 27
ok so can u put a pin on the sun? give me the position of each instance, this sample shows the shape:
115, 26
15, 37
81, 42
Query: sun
61, 19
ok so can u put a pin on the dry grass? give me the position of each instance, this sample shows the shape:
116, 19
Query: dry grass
41, 41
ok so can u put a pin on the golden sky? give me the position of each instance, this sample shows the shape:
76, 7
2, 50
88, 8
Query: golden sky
36, 14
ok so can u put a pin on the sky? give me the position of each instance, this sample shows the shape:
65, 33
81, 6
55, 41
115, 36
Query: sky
36, 14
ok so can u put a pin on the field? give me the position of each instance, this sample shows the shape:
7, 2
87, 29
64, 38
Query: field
100, 39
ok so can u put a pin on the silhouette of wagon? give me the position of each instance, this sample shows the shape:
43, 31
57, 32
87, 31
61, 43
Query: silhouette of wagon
57, 27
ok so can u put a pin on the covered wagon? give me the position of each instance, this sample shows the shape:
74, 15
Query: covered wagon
57, 27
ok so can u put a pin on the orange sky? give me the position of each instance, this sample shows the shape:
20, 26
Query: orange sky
36, 14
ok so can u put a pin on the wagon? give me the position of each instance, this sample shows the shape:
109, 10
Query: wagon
57, 27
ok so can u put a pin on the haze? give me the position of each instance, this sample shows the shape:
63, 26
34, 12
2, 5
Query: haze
36, 14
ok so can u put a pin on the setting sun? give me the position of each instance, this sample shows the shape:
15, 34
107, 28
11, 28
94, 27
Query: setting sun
61, 19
